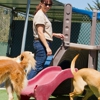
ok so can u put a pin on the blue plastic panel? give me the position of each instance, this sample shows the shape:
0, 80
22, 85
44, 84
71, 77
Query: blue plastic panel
81, 11
85, 12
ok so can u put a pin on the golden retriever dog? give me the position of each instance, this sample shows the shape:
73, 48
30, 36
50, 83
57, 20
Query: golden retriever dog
85, 79
14, 74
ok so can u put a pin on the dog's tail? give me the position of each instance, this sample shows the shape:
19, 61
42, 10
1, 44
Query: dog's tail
73, 64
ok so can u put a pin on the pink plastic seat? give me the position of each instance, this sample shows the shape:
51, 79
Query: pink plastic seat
43, 85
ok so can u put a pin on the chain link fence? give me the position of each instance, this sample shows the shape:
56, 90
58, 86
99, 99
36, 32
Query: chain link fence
4, 29
4, 24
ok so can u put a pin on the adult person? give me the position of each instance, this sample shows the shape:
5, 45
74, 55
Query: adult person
43, 35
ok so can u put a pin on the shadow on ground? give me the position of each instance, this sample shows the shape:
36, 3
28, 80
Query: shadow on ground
67, 98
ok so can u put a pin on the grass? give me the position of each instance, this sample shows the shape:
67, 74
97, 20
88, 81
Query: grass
4, 96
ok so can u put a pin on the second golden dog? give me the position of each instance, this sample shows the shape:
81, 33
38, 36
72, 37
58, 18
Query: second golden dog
85, 78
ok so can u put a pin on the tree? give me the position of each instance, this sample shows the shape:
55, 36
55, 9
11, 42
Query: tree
96, 5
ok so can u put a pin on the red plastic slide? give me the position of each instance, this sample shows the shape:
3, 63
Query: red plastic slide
42, 86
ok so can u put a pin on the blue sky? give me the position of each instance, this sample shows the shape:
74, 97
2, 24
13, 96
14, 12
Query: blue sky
81, 4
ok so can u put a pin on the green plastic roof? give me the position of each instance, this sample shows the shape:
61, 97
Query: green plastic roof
56, 12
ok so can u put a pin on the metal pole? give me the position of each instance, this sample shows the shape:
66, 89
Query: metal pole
25, 27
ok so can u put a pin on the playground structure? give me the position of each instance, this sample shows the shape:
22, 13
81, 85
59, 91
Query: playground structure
84, 43
93, 42
43, 85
